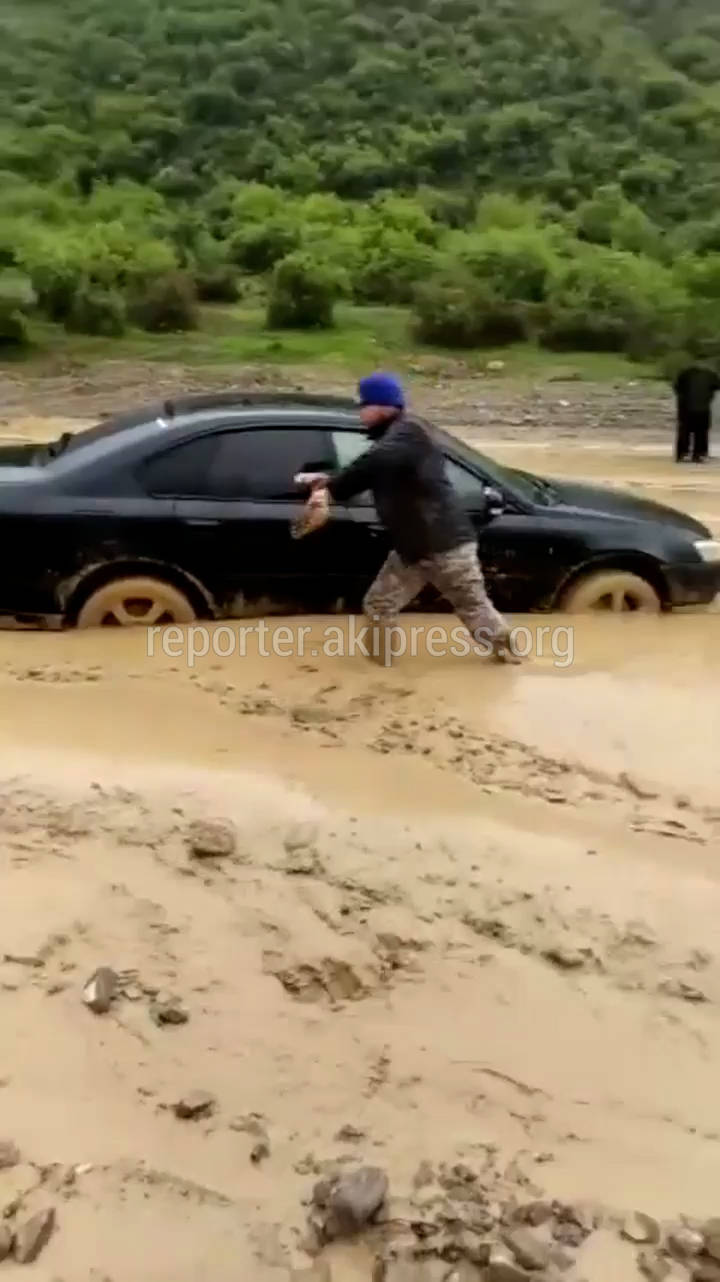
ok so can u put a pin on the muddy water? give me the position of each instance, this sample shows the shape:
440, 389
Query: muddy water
610, 693
477, 815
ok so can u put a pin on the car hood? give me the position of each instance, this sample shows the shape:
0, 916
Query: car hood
623, 506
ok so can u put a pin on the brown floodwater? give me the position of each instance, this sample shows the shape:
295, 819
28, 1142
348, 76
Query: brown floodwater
477, 815
629, 694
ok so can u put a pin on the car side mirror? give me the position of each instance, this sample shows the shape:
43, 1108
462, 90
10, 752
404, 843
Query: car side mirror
495, 501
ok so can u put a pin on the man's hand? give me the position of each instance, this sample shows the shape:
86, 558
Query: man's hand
315, 512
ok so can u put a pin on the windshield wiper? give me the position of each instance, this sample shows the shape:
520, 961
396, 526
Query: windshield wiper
543, 488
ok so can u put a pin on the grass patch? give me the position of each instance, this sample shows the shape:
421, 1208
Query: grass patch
363, 338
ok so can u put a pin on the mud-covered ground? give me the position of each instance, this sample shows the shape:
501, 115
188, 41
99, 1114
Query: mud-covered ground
469, 915
561, 403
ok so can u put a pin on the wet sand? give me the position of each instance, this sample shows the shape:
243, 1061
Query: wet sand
391, 965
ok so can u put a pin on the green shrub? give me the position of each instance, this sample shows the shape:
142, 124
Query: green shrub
390, 263
168, 304
53, 262
457, 311
302, 294
216, 278
97, 311
257, 247
514, 264
17, 300
604, 300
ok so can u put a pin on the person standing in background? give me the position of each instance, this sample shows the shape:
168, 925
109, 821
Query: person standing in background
695, 387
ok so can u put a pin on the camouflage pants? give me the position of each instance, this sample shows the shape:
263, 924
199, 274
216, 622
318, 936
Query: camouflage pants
456, 575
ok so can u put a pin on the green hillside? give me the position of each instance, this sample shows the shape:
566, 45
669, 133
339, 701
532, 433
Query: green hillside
349, 97
138, 142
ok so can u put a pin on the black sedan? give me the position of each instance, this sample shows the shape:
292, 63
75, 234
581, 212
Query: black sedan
184, 510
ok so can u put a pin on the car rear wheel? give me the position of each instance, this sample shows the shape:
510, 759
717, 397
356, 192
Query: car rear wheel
612, 591
135, 602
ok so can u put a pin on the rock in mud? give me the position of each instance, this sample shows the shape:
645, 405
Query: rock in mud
534, 1213
565, 957
194, 1105
100, 991
33, 1235
471, 1247
9, 1155
586, 1216
711, 1238
684, 1243
168, 1010
308, 714
569, 1234
350, 1134
706, 1271
641, 1228
301, 836
332, 978
503, 1268
6, 1242
260, 1151
529, 1251
653, 1265
351, 1201
212, 838
685, 992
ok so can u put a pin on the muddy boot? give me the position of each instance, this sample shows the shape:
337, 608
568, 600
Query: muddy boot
503, 650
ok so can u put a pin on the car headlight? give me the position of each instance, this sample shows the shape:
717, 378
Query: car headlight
708, 549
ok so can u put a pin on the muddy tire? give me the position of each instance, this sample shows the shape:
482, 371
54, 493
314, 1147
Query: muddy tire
613, 592
135, 602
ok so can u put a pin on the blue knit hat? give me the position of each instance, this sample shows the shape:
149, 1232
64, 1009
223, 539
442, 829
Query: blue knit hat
381, 389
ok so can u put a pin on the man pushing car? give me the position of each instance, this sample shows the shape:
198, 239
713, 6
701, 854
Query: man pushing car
433, 540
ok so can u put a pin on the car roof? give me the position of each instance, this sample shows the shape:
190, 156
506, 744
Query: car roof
178, 411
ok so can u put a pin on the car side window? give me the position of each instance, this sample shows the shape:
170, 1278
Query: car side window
348, 446
469, 487
183, 469
246, 463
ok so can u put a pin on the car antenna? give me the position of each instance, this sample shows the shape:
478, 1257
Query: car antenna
169, 409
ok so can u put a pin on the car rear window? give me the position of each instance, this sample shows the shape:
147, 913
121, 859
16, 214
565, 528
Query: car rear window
247, 463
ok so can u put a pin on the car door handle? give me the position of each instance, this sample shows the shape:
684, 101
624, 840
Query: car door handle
200, 520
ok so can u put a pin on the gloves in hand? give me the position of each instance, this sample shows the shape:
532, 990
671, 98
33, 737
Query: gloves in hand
314, 514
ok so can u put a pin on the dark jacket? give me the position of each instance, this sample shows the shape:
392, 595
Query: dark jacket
405, 471
695, 388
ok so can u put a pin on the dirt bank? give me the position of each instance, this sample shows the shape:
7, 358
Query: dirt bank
517, 407
469, 910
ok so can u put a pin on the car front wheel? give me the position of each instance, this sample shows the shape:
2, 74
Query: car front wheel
611, 591
136, 601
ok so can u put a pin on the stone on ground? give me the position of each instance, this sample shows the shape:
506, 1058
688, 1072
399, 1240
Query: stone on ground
211, 838
33, 1235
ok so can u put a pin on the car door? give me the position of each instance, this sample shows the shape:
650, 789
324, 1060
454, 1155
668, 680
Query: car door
234, 502
515, 557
